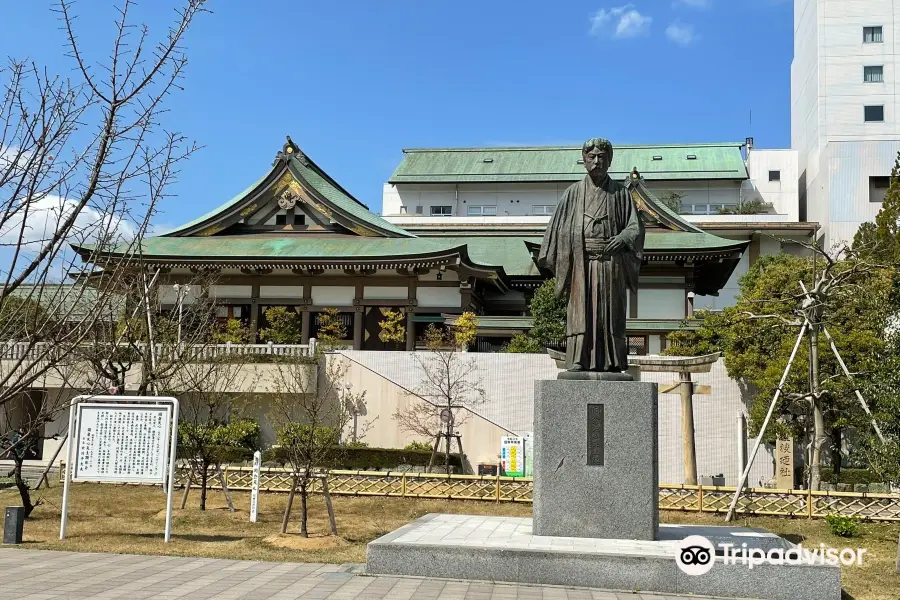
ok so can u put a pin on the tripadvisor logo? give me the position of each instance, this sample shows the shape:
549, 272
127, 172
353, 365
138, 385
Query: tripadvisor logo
696, 555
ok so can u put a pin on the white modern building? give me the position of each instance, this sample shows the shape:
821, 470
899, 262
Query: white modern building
845, 117
513, 191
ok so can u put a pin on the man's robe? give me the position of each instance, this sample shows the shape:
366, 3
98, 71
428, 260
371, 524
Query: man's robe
597, 286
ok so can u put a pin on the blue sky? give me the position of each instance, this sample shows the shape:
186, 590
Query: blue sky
355, 81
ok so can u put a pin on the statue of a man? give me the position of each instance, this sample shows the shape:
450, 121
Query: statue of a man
594, 246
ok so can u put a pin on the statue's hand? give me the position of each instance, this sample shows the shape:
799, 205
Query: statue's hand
615, 246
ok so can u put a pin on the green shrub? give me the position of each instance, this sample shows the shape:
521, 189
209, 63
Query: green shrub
851, 476
358, 459
418, 446
843, 526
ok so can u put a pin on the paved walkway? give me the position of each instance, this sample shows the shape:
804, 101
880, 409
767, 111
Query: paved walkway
46, 575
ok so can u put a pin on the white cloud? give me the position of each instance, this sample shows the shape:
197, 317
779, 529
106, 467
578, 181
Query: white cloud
694, 3
45, 216
681, 33
620, 22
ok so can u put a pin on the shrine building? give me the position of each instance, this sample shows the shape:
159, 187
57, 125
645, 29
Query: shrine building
297, 238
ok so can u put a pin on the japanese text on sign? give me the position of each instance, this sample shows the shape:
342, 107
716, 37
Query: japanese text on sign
117, 442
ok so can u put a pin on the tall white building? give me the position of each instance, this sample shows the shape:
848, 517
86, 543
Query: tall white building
845, 116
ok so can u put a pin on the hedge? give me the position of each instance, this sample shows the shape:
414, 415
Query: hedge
357, 459
851, 476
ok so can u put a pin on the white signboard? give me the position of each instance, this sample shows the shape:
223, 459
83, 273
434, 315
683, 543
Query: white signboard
120, 442
254, 487
122, 438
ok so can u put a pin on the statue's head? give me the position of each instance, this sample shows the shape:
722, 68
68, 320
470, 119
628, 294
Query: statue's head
597, 154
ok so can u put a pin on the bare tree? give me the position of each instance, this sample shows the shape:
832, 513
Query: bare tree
84, 162
450, 388
310, 410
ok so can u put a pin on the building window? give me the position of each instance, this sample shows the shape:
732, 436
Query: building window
481, 211
402, 210
543, 209
441, 211
873, 74
873, 35
638, 345
774, 175
874, 114
297, 220
878, 187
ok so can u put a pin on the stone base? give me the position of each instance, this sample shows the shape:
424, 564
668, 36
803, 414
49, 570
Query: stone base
595, 459
504, 549
594, 376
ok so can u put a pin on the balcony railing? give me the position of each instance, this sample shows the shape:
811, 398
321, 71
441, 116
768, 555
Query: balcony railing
12, 350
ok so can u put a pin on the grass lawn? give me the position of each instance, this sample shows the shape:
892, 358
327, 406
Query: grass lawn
129, 519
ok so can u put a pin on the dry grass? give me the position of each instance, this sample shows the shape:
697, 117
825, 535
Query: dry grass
131, 519
127, 519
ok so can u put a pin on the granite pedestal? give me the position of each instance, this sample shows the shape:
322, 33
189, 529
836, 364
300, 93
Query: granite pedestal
486, 548
596, 459
596, 513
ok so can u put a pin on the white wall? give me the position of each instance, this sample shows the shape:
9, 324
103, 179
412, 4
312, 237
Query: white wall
655, 303
508, 381
783, 194
519, 199
838, 150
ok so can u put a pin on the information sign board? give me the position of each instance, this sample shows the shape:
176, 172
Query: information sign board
512, 456
120, 442
121, 438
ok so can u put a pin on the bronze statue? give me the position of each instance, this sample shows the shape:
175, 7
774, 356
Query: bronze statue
594, 245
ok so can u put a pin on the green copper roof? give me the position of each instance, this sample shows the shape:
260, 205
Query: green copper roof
558, 163
211, 214
340, 197
510, 253
310, 176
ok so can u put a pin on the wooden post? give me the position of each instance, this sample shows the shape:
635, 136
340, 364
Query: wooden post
498, 485
290, 503
358, 317
187, 487
700, 494
225, 488
897, 564
410, 332
809, 502
403, 485
328, 505
689, 453
304, 326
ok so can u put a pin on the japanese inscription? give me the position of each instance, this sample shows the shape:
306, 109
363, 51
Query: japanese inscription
122, 443
784, 464
595, 435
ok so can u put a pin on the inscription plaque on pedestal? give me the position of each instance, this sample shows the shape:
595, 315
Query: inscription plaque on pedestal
595, 435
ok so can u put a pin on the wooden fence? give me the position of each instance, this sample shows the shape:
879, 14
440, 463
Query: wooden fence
687, 498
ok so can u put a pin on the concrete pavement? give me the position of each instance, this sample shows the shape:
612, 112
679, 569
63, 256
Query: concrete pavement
46, 575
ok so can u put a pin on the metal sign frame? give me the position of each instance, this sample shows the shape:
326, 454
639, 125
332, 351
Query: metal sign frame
125, 401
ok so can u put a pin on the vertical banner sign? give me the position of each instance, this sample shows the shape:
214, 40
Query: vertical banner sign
254, 490
512, 456
529, 454
784, 464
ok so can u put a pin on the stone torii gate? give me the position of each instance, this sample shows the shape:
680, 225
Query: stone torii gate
684, 366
